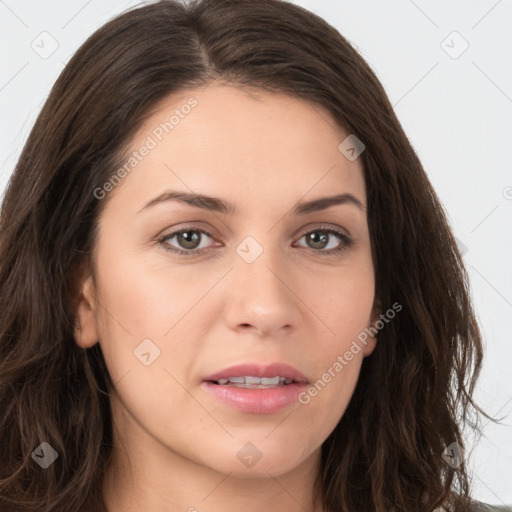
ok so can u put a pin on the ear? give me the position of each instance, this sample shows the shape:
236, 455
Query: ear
376, 311
86, 331
371, 341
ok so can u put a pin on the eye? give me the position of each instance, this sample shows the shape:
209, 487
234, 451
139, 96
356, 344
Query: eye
188, 239
320, 239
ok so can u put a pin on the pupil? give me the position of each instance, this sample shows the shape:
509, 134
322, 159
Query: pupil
319, 238
189, 242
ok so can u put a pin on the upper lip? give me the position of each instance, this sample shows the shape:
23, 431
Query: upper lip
259, 370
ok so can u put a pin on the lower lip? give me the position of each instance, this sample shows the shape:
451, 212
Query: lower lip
257, 401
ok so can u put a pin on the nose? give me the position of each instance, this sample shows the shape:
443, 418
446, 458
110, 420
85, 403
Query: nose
260, 296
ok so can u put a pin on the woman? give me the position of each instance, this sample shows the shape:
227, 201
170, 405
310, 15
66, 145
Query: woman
227, 283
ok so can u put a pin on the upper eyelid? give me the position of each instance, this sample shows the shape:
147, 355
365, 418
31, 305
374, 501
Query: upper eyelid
304, 231
312, 226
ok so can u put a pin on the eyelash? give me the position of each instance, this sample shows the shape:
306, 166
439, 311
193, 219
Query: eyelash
345, 239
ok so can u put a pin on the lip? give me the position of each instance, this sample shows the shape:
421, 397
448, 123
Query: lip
257, 401
258, 370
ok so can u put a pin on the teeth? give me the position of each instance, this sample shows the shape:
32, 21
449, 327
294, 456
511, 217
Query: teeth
255, 382
238, 380
268, 380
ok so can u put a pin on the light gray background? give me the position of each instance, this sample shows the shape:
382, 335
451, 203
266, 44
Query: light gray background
456, 110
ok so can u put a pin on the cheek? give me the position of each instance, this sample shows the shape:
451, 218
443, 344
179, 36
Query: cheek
338, 361
343, 302
146, 299
150, 316
148, 343
344, 305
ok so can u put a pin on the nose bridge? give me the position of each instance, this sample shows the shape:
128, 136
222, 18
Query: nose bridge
258, 265
260, 294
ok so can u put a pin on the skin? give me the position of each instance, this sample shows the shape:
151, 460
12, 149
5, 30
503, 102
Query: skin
175, 444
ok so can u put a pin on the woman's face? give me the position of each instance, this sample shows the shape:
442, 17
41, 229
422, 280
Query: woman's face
261, 292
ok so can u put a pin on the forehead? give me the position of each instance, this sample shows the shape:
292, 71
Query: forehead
248, 144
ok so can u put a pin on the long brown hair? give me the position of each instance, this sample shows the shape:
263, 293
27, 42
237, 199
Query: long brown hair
414, 394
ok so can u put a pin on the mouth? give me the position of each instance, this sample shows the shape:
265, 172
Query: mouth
254, 375
257, 389
250, 382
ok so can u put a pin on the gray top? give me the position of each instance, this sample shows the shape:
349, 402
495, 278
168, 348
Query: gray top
484, 507
478, 506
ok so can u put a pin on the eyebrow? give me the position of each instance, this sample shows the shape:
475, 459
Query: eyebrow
216, 204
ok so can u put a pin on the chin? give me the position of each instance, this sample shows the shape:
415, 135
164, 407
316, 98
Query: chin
250, 463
